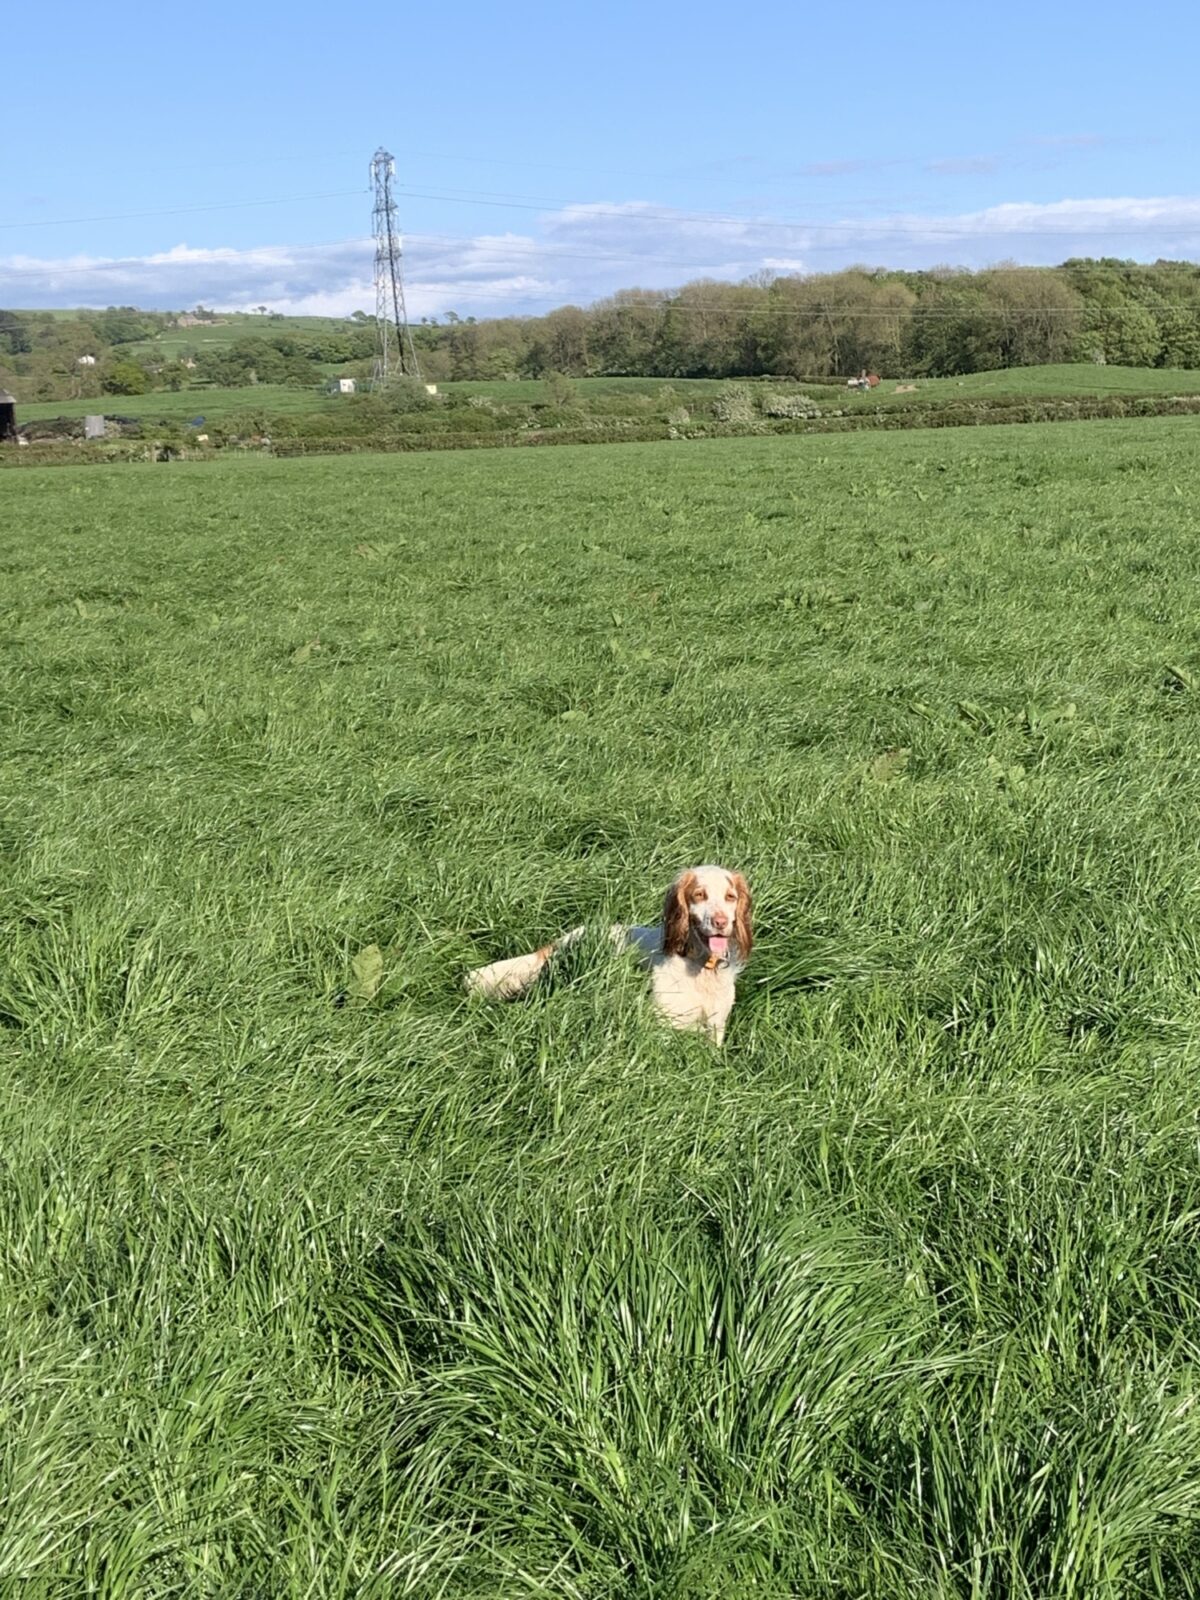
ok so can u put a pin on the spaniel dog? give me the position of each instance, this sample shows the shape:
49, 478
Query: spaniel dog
693, 955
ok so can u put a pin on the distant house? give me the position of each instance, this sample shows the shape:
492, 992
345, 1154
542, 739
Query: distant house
341, 386
85, 361
8, 416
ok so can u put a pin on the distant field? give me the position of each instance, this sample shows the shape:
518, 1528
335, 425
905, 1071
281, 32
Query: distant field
1078, 378
220, 404
320, 1282
214, 404
233, 326
524, 390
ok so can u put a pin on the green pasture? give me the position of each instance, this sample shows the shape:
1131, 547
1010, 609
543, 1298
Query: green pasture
215, 405
317, 1280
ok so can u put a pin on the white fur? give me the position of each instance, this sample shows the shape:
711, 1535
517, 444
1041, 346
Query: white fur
690, 987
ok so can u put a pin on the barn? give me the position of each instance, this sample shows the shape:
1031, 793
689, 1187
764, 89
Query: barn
8, 416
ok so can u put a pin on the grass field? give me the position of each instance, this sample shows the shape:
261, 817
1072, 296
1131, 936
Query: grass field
215, 405
1067, 379
894, 1296
173, 342
1077, 378
228, 405
222, 404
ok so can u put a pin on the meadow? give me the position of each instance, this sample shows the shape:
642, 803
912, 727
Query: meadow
318, 1280
269, 405
214, 405
173, 343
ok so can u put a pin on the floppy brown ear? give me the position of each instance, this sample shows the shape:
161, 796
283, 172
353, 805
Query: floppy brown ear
743, 924
675, 915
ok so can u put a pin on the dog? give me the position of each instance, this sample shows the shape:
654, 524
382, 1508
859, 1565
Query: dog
693, 955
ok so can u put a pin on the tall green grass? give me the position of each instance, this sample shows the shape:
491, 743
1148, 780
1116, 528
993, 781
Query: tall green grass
316, 1285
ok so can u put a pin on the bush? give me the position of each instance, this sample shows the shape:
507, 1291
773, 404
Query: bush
560, 389
407, 394
735, 404
790, 405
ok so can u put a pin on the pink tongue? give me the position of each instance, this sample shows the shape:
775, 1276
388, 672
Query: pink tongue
717, 944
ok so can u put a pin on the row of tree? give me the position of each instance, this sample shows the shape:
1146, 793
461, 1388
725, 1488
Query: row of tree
937, 324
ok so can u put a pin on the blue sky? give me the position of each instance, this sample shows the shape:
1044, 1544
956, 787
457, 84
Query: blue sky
550, 154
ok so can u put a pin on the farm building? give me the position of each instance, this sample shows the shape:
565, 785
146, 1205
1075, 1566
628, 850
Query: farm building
341, 386
8, 416
85, 361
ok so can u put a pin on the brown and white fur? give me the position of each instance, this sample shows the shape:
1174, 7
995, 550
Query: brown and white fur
693, 955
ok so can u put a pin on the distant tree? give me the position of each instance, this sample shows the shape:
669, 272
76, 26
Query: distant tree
953, 328
1180, 327
626, 332
836, 323
562, 345
126, 377
1037, 314
14, 335
715, 329
1115, 319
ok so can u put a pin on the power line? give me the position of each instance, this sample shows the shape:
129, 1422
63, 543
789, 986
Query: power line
636, 213
180, 211
886, 226
534, 249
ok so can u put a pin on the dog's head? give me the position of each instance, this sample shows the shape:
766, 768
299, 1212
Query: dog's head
706, 909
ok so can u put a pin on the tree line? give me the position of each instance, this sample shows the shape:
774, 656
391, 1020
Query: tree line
939, 323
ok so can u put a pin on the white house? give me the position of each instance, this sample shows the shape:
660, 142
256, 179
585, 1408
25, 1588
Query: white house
85, 361
342, 386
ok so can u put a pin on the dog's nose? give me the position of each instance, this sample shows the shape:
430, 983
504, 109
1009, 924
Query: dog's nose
720, 921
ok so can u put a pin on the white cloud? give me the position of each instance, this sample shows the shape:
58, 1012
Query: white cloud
584, 251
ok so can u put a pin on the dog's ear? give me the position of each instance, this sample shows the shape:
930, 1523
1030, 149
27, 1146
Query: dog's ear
675, 915
743, 923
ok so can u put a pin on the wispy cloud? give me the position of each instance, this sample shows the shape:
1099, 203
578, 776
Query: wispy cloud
1068, 141
962, 166
581, 252
837, 169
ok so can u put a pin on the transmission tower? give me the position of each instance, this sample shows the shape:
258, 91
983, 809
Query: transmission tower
395, 353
